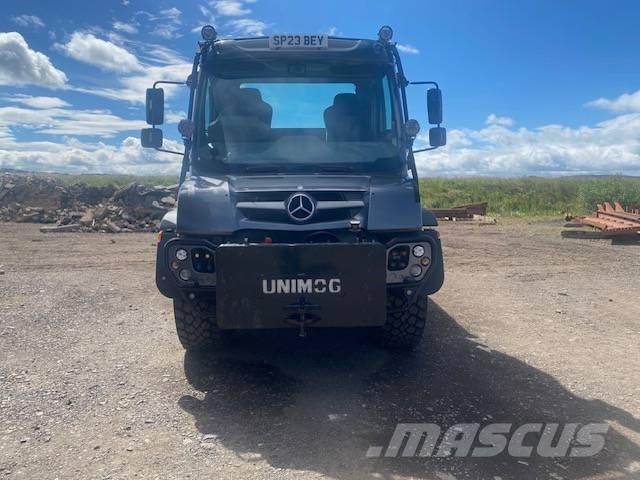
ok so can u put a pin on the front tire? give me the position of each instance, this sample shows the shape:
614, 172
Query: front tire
406, 321
196, 323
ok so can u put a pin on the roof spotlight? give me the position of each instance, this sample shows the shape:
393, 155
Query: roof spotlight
208, 33
412, 127
385, 33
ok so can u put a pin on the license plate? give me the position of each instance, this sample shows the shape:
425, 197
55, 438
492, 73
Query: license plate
298, 41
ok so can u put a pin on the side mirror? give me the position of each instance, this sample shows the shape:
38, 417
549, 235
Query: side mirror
434, 106
151, 137
155, 106
437, 136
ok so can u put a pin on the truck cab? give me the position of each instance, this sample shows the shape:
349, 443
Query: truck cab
298, 204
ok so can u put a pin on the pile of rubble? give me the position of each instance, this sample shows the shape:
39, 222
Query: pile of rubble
79, 207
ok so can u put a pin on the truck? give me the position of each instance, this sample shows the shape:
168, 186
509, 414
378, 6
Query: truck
299, 203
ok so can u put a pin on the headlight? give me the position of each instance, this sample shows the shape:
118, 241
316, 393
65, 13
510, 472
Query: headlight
418, 251
181, 254
185, 274
398, 258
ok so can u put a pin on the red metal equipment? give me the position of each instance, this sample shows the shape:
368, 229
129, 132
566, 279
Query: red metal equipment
614, 220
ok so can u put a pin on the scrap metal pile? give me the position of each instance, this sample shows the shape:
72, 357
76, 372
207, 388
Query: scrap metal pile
611, 221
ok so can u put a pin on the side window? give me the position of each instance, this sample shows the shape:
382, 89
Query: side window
388, 107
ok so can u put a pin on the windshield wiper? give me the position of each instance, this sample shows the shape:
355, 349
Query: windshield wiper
261, 169
336, 169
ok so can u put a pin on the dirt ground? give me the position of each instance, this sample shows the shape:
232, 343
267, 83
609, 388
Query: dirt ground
528, 328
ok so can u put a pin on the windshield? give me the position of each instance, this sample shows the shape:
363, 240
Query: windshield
298, 122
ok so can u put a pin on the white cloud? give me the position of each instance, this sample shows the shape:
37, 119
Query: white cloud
124, 27
132, 88
166, 23
407, 49
67, 121
172, 117
73, 156
29, 20
204, 10
20, 65
36, 102
494, 119
168, 31
248, 27
232, 8
609, 147
87, 48
208, 18
157, 54
172, 14
627, 102
332, 31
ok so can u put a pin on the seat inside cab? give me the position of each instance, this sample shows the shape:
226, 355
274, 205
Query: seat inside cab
255, 116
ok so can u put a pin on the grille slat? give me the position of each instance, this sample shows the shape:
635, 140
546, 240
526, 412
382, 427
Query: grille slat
270, 206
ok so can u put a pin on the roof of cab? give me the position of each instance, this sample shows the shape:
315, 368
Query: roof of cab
343, 49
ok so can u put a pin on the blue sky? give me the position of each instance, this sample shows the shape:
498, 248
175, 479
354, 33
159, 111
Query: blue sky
539, 87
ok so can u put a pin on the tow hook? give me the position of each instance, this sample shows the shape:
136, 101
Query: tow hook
301, 315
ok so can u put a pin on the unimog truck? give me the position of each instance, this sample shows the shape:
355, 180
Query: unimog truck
299, 204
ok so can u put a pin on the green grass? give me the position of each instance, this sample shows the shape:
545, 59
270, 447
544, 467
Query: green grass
531, 196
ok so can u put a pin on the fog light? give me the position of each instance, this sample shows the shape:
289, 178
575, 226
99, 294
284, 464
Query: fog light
418, 251
425, 261
415, 270
174, 265
185, 274
181, 254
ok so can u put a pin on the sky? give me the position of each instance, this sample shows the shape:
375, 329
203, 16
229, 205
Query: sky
530, 87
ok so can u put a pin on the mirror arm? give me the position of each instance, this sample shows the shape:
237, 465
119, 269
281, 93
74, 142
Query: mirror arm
414, 174
166, 82
435, 84
169, 151
424, 149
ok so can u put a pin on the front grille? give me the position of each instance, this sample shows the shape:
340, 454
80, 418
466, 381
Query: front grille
270, 206
282, 196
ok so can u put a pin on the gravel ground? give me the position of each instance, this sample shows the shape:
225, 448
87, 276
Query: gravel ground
528, 328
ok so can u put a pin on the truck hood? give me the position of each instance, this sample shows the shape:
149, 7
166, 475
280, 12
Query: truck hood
226, 204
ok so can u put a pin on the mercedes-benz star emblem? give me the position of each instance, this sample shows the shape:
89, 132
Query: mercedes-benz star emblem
300, 207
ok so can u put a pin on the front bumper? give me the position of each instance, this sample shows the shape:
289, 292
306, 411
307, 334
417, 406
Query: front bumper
245, 274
